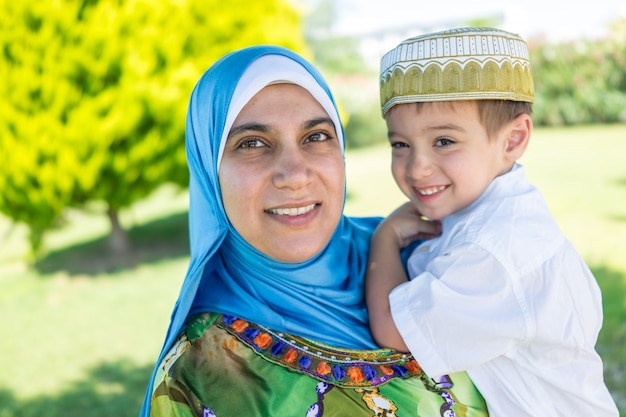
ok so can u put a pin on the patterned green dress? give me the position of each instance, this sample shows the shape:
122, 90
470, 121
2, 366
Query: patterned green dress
224, 366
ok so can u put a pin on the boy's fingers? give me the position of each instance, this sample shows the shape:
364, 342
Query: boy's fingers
430, 227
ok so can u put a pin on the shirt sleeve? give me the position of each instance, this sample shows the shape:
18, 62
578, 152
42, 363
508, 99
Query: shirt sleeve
464, 309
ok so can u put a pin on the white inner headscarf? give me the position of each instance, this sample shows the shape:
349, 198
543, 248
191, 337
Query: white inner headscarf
275, 69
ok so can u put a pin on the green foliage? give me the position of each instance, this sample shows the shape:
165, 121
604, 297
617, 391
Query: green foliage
365, 127
332, 54
337, 54
352, 81
95, 94
581, 82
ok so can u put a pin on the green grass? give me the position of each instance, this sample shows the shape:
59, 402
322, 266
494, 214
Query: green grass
80, 329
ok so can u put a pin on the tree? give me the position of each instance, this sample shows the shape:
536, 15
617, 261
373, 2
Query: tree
95, 92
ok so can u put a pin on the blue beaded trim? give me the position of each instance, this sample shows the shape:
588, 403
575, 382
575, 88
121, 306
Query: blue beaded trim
346, 368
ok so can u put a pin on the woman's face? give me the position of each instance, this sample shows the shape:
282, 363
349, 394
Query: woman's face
282, 174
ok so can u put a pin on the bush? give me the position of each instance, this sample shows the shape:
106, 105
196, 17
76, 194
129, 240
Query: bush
580, 82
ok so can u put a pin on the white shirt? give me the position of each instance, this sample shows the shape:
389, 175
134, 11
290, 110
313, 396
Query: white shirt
503, 295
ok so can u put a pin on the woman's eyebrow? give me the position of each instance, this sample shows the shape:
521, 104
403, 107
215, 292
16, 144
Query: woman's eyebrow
317, 121
252, 126
262, 128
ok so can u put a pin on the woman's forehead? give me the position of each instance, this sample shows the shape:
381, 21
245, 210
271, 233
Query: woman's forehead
267, 99
281, 108
276, 69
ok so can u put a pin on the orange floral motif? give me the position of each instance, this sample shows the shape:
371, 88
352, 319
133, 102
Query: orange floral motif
355, 374
378, 403
230, 342
240, 325
386, 370
413, 366
291, 356
323, 368
263, 340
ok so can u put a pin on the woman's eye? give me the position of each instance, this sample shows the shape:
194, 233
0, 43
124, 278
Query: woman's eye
251, 143
318, 137
441, 142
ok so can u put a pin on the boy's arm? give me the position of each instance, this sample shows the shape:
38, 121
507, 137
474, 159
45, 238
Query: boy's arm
384, 273
385, 270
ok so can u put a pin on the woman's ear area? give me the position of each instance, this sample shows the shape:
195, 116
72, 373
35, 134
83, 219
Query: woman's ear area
518, 136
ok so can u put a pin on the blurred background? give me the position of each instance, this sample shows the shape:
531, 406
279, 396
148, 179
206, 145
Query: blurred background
93, 198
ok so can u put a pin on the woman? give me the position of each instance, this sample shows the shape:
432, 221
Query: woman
270, 320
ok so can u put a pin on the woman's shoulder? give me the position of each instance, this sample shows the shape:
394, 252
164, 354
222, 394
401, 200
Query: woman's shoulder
362, 225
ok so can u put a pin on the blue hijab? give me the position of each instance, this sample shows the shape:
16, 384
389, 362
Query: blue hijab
321, 298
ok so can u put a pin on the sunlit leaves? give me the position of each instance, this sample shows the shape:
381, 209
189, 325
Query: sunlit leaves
94, 94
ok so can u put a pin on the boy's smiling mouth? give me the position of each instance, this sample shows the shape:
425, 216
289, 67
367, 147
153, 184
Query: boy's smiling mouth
430, 190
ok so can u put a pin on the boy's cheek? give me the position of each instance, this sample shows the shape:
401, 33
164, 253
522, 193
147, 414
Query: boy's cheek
398, 173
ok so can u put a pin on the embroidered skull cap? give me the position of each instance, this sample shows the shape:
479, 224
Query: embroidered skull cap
457, 64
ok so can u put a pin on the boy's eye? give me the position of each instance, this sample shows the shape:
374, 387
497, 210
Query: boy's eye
396, 145
444, 142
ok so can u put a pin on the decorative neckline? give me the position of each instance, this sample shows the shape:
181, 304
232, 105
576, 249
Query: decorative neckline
348, 368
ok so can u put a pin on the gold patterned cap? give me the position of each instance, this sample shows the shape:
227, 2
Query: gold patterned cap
457, 64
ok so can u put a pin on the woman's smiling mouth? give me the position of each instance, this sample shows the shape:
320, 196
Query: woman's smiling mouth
295, 211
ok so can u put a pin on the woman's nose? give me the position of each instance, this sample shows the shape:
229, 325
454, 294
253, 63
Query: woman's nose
292, 169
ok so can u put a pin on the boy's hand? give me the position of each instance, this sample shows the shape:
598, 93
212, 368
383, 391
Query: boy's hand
405, 225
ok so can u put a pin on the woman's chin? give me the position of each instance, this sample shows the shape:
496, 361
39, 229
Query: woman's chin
294, 250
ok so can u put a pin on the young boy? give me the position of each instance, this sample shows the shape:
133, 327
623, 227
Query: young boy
501, 293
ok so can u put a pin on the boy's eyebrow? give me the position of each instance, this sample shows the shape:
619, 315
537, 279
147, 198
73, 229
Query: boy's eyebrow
449, 126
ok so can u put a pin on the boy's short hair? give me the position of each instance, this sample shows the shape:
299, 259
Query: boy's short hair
459, 64
492, 114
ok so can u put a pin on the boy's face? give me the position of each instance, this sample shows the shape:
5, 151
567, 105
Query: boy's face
442, 158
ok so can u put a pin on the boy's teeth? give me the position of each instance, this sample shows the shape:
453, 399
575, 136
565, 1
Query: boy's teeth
430, 191
292, 211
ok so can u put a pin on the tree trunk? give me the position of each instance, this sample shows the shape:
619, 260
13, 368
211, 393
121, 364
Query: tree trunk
118, 239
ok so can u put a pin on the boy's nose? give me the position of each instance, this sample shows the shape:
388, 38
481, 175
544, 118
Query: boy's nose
420, 166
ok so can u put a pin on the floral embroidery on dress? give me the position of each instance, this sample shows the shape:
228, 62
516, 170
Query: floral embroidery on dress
317, 408
362, 370
379, 404
179, 347
339, 367
207, 412
446, 408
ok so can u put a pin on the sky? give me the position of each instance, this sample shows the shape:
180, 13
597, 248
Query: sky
391, 21
552, 19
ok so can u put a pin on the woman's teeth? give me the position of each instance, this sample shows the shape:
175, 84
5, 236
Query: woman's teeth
292, 211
